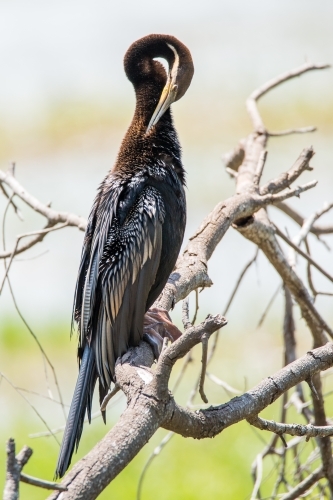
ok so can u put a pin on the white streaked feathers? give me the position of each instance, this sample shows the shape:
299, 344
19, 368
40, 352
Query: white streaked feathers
114, 269
174, 69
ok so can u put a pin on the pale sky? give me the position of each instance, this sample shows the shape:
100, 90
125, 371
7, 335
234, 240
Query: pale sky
74, 48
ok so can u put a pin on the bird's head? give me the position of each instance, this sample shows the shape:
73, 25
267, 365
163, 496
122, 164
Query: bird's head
149, 75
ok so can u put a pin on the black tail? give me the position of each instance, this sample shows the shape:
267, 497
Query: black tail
81, 402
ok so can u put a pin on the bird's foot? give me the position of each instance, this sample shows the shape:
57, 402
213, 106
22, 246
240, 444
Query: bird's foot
158, 325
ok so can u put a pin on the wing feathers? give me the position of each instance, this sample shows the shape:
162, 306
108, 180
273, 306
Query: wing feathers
123, 264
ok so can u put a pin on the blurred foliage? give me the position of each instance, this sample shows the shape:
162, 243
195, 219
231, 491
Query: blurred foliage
64, 121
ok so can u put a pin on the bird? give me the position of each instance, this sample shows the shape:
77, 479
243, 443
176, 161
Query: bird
134, 231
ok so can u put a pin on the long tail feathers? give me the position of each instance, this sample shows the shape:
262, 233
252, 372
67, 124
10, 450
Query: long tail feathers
81, 402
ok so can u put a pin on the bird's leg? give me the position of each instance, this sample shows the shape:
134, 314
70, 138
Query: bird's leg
158, 325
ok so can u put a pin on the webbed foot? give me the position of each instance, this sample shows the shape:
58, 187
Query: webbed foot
156, 326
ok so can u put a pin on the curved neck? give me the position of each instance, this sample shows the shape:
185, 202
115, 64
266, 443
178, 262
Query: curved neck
138, 149
147, 98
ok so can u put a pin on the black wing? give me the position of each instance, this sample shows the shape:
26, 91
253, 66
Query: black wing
118, 269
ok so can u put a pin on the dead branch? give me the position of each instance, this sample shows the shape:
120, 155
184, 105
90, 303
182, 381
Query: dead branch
299, 219
204, 343
304, 485
41, 483
14, 467
309, 431
191, 268
150, 407
51, 215
251, 103
303, 254
290, 131
240, 279
14, 473
261, 232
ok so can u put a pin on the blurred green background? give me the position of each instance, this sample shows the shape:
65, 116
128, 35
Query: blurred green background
65, 104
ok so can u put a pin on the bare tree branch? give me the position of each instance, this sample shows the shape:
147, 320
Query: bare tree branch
261, 232
290, 131
51, 215
14, 467
251, 103
152, 457
150, 407
293, 214
309, 431
304, 485
303, 254
240, 279
204, 343
41, 483
191, 268
43, 232
31, 406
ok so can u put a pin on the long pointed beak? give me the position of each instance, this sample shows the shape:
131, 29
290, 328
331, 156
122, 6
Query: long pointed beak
168, 96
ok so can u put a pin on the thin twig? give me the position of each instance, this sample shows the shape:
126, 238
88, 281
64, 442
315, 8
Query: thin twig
196, 306
269, 305
155, 453
109, 396
35, 393
18, 239
240, 279
290, 131
303, 254
31, 406
306, 228
285, 179
51, 215
41, 483
308, 270
227, 387
277, 198
57, 430
260, 168
304, 485
45, 358
251, 103
14, 468
299, 219
258, 477
292, 429
10, 198
204, 343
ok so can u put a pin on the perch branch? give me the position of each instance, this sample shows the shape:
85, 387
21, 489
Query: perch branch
146, 412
